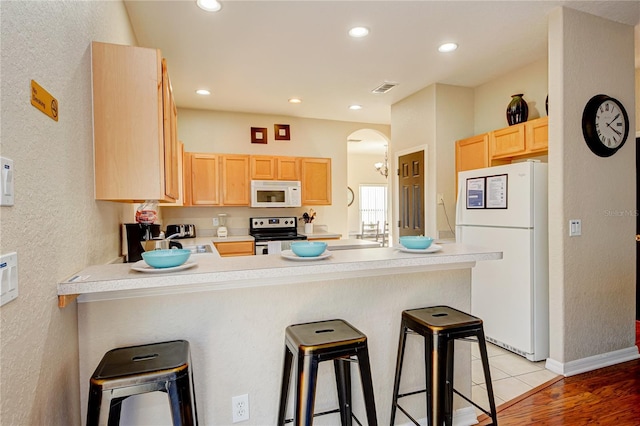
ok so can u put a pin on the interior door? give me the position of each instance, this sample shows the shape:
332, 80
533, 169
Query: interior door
411, 194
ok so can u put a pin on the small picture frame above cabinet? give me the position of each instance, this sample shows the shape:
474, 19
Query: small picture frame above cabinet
258, 135
282, 132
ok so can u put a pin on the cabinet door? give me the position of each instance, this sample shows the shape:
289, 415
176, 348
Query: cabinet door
316, 181
129, 126
235, 180
288, 168
537, 134
263, 167
508, 142
472, 153
235, 248
203, 183
170, 132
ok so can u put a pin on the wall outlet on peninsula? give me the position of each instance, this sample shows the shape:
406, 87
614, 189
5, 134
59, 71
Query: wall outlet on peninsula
240, 407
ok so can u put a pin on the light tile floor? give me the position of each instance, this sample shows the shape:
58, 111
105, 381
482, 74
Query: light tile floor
511, 375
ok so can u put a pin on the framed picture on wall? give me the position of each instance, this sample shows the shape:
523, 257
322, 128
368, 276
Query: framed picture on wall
258, 135
282, 132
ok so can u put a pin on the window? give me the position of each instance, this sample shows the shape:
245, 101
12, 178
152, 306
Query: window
373, 203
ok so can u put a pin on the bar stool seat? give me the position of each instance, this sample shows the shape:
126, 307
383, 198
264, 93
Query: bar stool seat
134, 370
441, 326
311, 343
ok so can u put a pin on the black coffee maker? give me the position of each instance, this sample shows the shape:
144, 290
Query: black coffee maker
133, 237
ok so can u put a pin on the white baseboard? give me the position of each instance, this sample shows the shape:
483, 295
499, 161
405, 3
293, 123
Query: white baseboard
591, 363
461, 417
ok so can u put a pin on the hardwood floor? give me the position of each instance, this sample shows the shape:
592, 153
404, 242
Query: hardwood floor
608, 396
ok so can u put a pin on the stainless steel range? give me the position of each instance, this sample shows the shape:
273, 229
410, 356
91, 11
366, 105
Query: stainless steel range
273, 234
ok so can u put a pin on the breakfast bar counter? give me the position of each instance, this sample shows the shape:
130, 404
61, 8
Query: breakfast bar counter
234, 312
212, 272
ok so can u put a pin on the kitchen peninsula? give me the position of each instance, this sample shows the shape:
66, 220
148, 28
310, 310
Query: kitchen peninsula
234, 312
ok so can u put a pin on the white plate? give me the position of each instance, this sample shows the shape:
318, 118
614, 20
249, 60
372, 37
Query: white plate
431, 249
288, 254
142, 266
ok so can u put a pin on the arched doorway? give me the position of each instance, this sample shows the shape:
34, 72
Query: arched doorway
366, 149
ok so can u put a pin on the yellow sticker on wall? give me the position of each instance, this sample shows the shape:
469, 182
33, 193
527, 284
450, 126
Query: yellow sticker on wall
43, 100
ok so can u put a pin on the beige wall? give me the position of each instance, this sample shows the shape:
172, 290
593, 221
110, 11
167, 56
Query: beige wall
492, 98
436, 116
592, 277
55, 226
229, 132
362, 172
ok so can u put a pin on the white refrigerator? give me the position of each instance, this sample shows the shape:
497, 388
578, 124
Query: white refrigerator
505, 208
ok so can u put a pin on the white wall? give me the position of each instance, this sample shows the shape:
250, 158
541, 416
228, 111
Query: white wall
229, 132
592, 277
55, 226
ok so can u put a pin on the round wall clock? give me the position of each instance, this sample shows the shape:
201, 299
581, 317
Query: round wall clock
605, 125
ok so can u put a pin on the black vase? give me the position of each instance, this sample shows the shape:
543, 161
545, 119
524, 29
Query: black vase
517, 110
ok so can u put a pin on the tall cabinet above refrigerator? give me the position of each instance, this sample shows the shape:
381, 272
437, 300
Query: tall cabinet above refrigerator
505, 208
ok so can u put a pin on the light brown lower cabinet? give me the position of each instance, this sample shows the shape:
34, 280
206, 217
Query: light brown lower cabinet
235, 248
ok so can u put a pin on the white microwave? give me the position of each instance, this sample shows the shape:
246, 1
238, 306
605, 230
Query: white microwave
275, 193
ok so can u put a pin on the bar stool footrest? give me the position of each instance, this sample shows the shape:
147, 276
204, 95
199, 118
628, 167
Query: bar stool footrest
488, 413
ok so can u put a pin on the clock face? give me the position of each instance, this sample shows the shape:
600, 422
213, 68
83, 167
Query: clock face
611, 127
605, 125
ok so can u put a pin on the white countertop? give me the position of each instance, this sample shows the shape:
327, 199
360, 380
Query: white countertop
351, 243
215, 273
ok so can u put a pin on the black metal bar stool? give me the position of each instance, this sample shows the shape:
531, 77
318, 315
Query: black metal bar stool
311, 343
441, 326
134, 370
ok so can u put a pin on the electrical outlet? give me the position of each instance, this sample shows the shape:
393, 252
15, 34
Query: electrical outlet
215, 221
440, 199
240, 407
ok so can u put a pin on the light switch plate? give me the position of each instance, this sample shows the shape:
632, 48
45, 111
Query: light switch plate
6, 182
8, 277
575, 227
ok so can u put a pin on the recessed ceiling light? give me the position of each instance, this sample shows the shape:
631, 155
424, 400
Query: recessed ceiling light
447, 47
295, 101
358, 32
203, 92
355, 107
209, 5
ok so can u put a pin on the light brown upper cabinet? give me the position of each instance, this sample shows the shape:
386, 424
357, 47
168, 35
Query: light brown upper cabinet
316, 181
235, 181
529, 139
263, 167
266, 167
520, 140
134, 125
537, 135
288, 168
216, 179
201, 179
472, 153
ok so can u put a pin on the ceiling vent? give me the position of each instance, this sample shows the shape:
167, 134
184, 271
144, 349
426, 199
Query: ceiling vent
384, 87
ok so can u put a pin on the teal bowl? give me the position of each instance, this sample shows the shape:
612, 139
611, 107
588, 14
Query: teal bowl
166, 258
308, 248
416, 242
